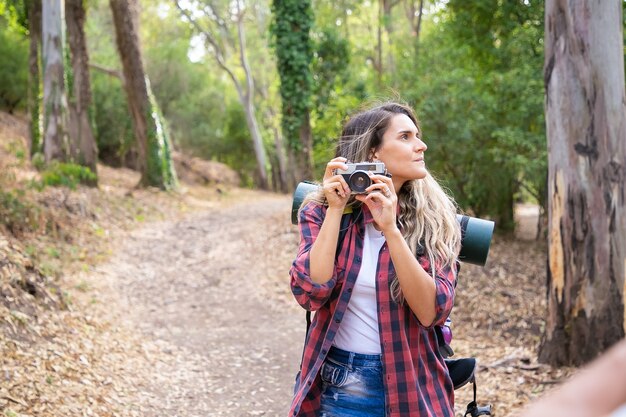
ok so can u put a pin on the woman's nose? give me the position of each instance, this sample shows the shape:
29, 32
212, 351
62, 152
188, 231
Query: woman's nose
420, 145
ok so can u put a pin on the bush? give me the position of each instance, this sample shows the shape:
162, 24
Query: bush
15, 215
13, 69
65, 175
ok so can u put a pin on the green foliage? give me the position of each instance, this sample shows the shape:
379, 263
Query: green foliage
16, 214
13, 67
200, 105
112, 123
479, 93
237, 150
15, 14
292, 21
65, 175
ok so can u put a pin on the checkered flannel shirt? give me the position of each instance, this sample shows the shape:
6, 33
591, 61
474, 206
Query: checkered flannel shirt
416, 378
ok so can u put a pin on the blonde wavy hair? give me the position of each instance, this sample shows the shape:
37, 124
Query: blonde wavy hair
427, 213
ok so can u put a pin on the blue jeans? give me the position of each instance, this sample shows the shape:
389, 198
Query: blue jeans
352, 385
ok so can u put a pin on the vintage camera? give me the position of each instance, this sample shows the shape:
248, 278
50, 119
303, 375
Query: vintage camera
476, 233
357, 175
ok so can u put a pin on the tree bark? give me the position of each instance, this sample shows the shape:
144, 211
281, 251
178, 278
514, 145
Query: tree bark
34, 81
248, 103
305, 157
55, 120
84, 148
154, 158
586, 128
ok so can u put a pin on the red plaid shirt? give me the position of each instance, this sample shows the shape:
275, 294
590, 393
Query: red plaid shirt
416, 378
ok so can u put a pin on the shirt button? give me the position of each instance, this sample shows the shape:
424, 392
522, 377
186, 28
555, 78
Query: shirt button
337, 320
308, 383
323, 351
349, 289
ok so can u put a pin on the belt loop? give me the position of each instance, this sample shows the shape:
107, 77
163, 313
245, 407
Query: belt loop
350, 360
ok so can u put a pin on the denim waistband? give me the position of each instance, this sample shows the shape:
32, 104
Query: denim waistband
353, 359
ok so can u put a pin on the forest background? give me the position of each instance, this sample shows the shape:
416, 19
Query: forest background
474, 71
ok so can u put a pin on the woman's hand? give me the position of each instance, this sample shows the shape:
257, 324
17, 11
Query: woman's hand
382, 201
336, 189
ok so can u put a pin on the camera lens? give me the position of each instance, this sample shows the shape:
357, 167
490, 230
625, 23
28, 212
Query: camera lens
359, 181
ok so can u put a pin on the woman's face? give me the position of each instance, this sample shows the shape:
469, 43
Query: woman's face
402, 151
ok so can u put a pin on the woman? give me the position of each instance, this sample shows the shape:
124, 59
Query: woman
372, 348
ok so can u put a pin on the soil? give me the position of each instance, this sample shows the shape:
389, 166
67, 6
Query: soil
211, 292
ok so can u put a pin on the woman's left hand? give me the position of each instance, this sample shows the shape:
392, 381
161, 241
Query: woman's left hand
382, 200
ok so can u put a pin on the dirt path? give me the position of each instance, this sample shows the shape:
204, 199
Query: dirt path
215, 330
201, 292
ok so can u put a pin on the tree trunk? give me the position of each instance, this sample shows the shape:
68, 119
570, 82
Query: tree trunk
283, 184
34, 81
257, 141
586, 128
248, 102
305, 157
154, 157
55, 120
84, 148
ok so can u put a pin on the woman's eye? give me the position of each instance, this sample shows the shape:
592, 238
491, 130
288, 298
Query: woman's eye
404, 137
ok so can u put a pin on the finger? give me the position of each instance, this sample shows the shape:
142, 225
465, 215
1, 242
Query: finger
378, 198
337, 188
341, 180
383, 179
336, 163
380, 187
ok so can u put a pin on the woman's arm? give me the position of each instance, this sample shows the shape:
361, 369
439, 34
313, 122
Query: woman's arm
322, 257
313, 274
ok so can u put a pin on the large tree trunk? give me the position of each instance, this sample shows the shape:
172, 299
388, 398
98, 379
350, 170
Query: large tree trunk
55, 120
586, 128
247, 100
154, 157
84, 149
34, 81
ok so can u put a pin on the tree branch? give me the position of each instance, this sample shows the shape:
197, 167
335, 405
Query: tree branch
112, 72
242, 54
218, 53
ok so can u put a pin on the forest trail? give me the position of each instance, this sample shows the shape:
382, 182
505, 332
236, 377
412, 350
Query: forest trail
204, 292
210, 328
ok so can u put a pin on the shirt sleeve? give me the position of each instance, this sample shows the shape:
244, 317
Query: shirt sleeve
445, 283
310, 295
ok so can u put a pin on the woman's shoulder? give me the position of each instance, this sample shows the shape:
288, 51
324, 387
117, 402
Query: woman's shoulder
312, 210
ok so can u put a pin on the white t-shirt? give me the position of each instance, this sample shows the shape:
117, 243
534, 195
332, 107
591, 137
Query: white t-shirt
358, 331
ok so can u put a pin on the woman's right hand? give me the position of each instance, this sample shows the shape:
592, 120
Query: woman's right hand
336, 189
